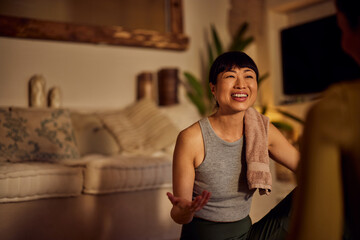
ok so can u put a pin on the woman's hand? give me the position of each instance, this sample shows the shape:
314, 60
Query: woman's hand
185, 209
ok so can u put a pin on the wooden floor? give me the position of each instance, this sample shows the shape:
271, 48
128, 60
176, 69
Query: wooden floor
129, 216
142, 215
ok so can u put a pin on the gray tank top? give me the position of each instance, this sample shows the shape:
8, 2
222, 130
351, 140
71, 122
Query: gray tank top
223, 173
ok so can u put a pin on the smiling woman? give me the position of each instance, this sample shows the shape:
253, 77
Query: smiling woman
222, 159
236, 85
141, 23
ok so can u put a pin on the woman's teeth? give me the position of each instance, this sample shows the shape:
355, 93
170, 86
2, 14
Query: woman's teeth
239, 95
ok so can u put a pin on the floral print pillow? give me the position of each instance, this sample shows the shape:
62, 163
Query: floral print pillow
36, 134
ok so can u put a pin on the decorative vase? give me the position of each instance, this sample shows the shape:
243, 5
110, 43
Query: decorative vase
144, 86
54, 97
37, 85
168, 86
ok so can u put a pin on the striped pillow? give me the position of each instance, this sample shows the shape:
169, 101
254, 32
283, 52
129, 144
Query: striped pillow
141, 128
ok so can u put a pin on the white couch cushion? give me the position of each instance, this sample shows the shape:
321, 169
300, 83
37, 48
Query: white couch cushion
34, 180
127, 173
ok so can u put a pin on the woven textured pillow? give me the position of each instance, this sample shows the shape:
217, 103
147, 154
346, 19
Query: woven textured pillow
34, 134
141, 128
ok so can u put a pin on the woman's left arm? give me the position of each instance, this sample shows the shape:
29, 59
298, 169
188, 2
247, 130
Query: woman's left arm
281, 150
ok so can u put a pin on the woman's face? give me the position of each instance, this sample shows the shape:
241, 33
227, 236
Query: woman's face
235, 90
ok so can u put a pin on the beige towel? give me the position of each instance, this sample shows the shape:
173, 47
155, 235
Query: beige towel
256, 151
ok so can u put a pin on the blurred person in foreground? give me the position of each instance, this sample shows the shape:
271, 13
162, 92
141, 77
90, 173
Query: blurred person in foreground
327, 202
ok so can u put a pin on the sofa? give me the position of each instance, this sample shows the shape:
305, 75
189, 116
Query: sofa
70, 174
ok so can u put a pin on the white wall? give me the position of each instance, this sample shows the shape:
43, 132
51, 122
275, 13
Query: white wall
96, 76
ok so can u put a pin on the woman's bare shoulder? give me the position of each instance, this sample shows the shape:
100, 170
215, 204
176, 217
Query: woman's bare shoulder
191, 132
190, 142
190, 136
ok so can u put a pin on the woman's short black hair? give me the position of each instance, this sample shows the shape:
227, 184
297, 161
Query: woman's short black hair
229, 60
351, 9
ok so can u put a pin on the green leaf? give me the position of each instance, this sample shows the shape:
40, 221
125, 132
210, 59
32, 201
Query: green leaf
263, 77
216, 40
264, 110
242, 29
198, 102
282, 126
195, 85
241, 45
238, 38
211, 55
291, 116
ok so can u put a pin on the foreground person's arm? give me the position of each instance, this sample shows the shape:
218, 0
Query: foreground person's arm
186, 150
318, 204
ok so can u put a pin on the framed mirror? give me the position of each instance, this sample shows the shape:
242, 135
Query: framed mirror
97, 22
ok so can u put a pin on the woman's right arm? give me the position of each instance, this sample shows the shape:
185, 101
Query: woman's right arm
188, 147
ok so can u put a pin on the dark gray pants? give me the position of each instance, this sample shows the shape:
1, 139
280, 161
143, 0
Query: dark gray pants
274, 225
